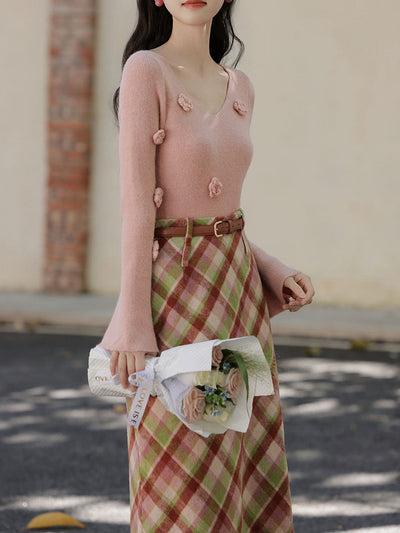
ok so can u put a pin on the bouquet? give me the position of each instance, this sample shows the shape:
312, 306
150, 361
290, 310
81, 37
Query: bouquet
208, 385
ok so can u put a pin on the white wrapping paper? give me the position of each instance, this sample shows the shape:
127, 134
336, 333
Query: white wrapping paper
170, 375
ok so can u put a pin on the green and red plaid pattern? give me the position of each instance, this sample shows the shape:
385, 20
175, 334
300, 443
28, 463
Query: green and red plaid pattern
181, 482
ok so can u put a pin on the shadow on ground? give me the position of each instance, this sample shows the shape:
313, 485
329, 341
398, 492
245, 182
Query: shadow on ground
342, 434
62, 449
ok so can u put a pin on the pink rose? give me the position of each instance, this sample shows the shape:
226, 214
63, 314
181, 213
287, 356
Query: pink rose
233, 382
158, 196
240, 107
159, 136
193, 404
217, 355
214, 187
155, 250
184, 102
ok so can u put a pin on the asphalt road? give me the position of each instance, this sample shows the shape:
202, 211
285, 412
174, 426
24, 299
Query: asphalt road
62, 449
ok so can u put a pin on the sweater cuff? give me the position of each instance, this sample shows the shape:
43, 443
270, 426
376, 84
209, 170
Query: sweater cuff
272, 273
136, 335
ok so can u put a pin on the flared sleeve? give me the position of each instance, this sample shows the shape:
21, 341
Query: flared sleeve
272, 273
141, 90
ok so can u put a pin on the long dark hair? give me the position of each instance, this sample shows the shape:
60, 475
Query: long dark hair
154, 28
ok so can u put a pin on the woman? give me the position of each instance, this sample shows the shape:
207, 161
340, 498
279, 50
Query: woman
184, 150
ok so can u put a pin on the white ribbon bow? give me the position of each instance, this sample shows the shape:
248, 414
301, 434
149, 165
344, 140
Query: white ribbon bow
144, 380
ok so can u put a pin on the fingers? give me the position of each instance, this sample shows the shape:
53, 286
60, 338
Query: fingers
131, 366
122, 369
295, 287
125, 364
135, 363
113, 362
302, 291
140, 362
294, 305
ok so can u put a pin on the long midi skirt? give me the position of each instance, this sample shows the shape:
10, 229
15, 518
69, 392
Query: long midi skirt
181, 482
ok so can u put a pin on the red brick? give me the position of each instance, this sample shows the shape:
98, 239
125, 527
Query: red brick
71, 63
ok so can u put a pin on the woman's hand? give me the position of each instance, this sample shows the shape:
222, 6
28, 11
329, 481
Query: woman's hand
125, 363
300, 288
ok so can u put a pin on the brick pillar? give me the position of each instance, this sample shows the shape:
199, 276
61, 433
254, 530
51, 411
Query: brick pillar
71, 61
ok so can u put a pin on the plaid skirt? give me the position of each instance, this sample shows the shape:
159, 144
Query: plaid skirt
225, 483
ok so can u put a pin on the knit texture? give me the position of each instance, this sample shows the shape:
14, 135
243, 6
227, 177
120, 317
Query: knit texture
176, 160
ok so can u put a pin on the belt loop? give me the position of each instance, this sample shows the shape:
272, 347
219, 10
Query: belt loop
242, 231
244, 241
187, 242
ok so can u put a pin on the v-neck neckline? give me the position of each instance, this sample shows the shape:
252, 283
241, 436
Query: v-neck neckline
195, 102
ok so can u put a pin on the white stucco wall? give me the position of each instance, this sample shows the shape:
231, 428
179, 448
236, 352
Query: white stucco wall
324, 176
23, 64
326, 129
327, 132
104, 260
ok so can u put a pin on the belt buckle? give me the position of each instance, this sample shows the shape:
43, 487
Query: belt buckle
215, 228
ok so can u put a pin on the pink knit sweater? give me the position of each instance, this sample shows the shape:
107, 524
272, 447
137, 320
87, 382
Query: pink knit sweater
168, 140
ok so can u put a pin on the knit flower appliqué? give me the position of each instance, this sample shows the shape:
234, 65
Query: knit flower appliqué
184, 102
156, 248
214, 187
240, 107
159, 136
158, 196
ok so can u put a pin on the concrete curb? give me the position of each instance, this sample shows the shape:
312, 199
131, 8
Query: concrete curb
91, 313
374, 324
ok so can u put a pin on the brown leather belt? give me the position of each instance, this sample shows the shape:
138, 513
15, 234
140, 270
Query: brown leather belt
219, 228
